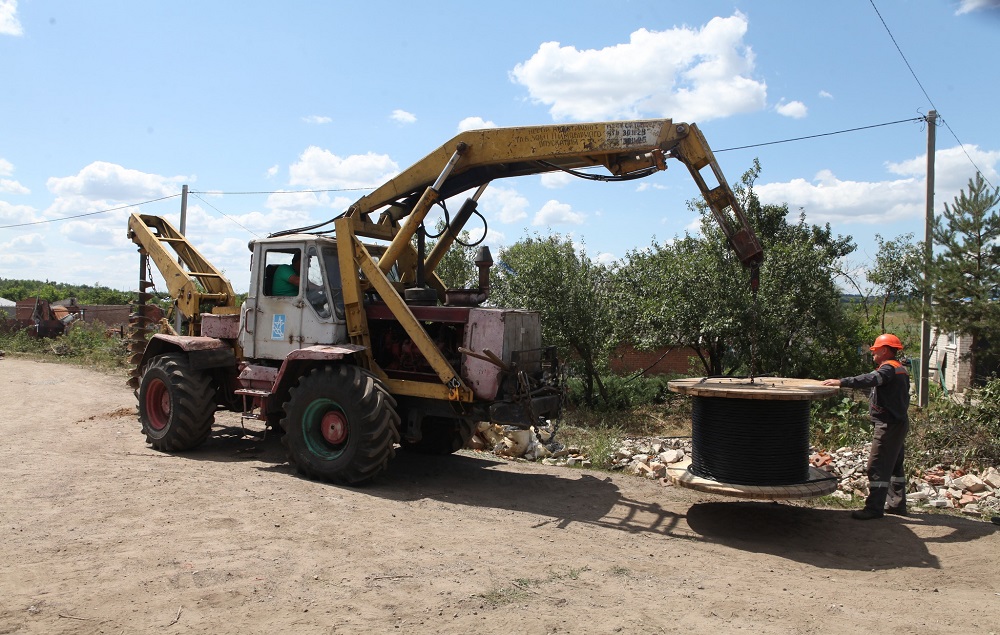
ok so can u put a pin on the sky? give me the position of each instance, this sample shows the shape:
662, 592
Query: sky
108, 108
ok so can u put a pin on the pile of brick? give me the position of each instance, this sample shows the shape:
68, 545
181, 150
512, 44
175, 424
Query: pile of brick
941, 486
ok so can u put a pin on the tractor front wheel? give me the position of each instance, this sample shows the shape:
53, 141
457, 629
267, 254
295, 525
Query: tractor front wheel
176, 404
340, 425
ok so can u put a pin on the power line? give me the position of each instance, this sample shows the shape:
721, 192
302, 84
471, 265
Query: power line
223, 213
105, 211
924, 91
824, 134
341, 189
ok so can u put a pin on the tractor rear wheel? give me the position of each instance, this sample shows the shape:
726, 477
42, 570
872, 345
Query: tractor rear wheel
441, 435
176, 404
340, 425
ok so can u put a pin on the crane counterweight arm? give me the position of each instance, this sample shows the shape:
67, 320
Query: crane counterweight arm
626, 149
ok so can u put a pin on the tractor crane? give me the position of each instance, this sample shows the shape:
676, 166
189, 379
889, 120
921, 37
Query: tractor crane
348, 340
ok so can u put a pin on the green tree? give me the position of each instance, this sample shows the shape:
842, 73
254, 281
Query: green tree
965, 274
895, 273
694, 292
457, 268
571, 292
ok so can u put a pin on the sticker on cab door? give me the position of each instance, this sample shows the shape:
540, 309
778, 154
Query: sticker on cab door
278, 327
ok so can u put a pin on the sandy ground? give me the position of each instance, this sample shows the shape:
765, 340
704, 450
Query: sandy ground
99, 534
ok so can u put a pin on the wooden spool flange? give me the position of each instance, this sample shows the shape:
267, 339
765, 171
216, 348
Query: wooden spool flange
818, 482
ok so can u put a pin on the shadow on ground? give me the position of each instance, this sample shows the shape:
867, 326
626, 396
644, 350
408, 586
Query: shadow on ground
820, 537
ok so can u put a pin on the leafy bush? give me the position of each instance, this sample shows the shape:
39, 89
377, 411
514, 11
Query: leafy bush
840, 421
966, 434
82, 343
22, 342
627, 392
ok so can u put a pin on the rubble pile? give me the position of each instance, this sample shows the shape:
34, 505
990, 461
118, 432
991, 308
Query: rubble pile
941, 486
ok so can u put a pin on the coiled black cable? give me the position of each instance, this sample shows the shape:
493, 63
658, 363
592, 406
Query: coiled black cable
750, 441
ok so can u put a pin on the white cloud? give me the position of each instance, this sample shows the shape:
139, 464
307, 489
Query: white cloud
825, 95
606, 259
9, 24
92, 233
642, 187
684, 73
952, 169
319, 168
793, 109
26, 243
828, 199
474, 123
968, 6
507, 204
694, 227
317, 119
107, 181
8, 186
555, 213
401, 116
272, 171
17, 214
556, 180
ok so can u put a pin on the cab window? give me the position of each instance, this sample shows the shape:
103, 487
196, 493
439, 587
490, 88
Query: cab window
281, 272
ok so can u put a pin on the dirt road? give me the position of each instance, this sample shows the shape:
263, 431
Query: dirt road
100, 534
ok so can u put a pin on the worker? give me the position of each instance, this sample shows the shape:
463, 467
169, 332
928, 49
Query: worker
286, 277
889, 402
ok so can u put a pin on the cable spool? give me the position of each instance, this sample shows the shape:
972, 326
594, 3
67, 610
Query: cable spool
751, 439
750, 442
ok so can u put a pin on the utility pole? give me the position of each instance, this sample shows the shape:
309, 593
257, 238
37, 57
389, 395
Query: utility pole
184, 213
184, 208
925, 327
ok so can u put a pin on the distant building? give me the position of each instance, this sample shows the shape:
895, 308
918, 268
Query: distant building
949, 365
627, 359
7, 308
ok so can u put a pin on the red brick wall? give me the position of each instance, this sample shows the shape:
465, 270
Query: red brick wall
626, 359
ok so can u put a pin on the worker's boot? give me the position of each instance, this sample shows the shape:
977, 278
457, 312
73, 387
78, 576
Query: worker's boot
866, 514
897, 511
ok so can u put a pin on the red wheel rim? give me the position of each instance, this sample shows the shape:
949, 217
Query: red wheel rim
157, 404
334, 427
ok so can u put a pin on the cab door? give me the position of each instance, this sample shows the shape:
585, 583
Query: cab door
323, 314
273, 313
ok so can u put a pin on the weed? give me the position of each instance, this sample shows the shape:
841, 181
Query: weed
499, 596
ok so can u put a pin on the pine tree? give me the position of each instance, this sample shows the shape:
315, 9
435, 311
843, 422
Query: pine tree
965, 274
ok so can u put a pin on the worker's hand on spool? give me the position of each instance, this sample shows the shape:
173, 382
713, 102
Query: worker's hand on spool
831, 382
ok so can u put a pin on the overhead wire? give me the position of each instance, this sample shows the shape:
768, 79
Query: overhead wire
224, 214
103, 211
924, 91
339, 189
824, 134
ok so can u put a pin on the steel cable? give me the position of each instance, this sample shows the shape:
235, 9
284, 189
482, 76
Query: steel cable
750, 441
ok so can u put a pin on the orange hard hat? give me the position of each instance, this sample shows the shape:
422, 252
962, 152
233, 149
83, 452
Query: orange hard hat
887, 339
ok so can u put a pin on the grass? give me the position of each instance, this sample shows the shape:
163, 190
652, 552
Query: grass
519, 589
83, 343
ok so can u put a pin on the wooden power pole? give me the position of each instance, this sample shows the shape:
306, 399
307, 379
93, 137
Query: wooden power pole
925, 327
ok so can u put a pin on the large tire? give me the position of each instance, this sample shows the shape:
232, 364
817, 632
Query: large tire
176, 404
340, 425
441, 435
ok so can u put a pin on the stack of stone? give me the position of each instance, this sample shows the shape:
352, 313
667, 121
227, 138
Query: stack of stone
942, 486
649, 458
